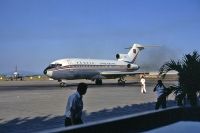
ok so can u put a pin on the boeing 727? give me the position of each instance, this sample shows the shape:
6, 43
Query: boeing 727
95, 69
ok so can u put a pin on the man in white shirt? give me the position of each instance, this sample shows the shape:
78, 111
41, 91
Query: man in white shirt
143, 86
161, 96
74, 106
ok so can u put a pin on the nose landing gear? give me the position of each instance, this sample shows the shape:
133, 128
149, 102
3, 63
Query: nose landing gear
62, 84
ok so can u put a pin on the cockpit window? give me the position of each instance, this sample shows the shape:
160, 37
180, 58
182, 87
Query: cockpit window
51, 66
54, 65
58, 64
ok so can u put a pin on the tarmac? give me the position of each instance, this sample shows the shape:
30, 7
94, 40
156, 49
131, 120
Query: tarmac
32, 106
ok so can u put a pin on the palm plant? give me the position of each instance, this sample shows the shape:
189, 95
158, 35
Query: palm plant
188, 71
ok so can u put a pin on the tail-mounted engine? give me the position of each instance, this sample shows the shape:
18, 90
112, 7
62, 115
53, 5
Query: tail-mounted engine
122, 57
132, 66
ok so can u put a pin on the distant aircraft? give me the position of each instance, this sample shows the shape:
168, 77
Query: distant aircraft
15, 76
95, 69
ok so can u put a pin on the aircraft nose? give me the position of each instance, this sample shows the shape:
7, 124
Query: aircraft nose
45, 71
48, 72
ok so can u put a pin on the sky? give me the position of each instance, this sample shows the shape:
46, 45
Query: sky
34, 33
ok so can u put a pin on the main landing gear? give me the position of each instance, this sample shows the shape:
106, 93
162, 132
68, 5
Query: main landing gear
98, 81
121, 81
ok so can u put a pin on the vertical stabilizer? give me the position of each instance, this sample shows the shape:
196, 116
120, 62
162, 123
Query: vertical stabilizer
134, 51
132, 54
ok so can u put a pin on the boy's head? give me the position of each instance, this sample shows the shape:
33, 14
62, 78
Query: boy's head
82, 88
160, 82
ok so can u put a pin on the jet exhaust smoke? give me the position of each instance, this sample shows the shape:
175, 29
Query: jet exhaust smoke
151, 59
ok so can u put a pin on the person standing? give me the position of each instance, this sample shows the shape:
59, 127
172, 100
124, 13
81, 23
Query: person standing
143, 86
161, 96
74, 107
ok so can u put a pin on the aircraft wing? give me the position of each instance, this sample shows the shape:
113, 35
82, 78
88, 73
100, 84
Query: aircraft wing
120, 73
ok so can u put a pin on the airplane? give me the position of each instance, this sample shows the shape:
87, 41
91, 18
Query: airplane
95, 69
15, 76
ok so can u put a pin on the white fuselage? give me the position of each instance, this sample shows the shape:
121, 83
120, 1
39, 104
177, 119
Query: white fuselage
76, 68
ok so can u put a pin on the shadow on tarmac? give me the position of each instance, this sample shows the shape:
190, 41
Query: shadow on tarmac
24, 125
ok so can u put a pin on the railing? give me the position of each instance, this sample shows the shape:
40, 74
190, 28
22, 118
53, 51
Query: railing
135, 123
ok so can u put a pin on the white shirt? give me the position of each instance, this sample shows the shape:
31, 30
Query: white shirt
142, 81
74, 105
159, 90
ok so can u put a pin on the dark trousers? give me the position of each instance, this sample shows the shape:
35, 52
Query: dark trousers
76, 121
161, 101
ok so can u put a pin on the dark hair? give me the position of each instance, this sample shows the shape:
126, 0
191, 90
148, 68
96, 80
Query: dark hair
82, 88
160, 81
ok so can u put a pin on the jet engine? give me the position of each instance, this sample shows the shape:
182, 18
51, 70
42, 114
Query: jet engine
121, 56
132, 66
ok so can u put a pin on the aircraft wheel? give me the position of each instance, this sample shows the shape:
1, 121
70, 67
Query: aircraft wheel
121, 82
98, 82
62, 84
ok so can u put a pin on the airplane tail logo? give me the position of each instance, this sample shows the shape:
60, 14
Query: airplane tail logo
132, 54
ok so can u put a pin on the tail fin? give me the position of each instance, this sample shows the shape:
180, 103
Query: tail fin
132, 54
134, 51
